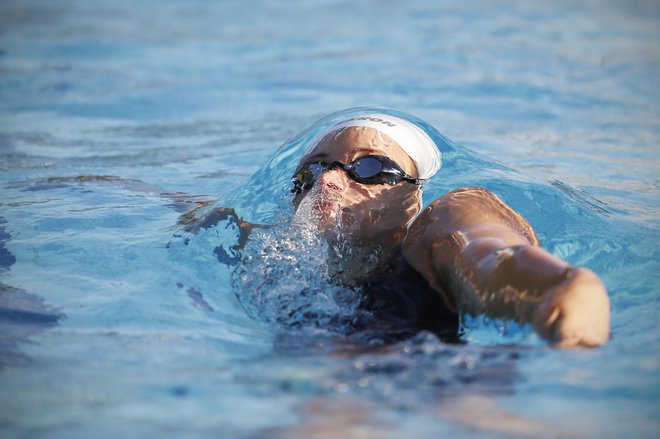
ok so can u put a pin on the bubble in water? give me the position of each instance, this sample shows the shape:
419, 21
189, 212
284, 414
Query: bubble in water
284, 278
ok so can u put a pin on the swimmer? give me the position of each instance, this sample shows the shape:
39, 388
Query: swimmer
466, 252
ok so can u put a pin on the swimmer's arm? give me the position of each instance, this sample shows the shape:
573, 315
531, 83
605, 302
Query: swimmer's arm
187, 205
471, 245
179, 201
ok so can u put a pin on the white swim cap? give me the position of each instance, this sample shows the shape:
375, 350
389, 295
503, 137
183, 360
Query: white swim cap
411, 138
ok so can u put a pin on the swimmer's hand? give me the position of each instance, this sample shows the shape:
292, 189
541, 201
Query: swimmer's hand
575, 313
211, 219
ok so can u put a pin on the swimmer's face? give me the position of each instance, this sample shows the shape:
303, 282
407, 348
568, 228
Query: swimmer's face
342, 206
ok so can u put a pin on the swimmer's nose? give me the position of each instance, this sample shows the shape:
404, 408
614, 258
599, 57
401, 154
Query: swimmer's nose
333, 180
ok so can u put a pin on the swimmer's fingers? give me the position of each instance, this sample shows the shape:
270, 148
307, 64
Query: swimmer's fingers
575, 313
194, 223
216, 216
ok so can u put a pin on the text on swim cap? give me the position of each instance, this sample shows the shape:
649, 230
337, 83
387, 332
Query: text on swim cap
371, 119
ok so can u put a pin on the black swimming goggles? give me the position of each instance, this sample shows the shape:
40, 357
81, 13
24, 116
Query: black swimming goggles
370, 169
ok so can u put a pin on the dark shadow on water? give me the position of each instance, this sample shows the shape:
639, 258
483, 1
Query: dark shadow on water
6, 258
22, 314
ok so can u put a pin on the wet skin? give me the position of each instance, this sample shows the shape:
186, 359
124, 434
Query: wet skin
376, 215
479, 254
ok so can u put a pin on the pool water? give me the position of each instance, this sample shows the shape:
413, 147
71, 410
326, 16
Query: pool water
118, 118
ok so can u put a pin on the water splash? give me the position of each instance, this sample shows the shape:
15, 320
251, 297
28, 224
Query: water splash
285, 277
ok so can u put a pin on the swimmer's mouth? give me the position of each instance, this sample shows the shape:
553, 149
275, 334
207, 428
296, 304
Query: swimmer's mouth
326, 202
326, 206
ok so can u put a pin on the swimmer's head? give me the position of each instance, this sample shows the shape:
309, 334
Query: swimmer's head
358, 181
411, 138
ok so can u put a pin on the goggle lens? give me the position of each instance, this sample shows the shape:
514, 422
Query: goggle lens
367, 167
365, 170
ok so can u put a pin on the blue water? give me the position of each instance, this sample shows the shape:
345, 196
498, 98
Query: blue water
115, 322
